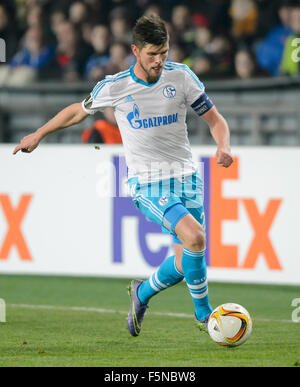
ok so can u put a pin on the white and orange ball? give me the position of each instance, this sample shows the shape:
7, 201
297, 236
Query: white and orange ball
230, 325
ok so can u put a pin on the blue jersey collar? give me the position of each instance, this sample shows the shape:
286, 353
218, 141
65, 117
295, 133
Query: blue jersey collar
137, 80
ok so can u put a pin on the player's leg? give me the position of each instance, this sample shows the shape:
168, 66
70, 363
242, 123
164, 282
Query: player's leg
192, 235
168, 273
141, 292
189, 259
178, 250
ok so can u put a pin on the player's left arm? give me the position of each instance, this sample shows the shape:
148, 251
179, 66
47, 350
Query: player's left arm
205, 108
221, 134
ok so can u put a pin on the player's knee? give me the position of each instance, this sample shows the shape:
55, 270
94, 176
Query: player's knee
197, 241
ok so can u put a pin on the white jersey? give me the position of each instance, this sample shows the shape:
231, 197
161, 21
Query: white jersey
151, 119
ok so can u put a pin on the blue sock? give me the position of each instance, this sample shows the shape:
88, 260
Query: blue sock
194, 269
166, 276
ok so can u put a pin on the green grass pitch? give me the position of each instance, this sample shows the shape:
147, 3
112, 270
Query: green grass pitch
64, 321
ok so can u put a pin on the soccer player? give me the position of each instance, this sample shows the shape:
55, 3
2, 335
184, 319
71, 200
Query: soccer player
150, 102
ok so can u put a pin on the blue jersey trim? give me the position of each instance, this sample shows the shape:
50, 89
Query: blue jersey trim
100, 86
174, 214
177, 66
137, 80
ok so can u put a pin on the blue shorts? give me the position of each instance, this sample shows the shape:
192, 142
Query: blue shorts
167, 201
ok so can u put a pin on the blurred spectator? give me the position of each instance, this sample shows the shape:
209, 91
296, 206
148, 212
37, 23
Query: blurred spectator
103, 131
100, 40
217, 15
154, 9
27, 64
36, 52
119, 58
200, 20
86, 31
80, 16
245, 65
35, 16
130, 6
98, 11
183, 32
171, 32
212, 56
220, 49
8, 31
203, 38
71, 53
176, 54
120, 26
291, 55
199, 60
244, 15
57, 17
202, 66
269, 52
78, 13
181, 18
203, 34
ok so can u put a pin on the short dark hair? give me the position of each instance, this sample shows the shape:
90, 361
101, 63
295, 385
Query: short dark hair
150, 30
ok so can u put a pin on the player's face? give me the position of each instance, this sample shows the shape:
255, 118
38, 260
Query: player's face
151, 60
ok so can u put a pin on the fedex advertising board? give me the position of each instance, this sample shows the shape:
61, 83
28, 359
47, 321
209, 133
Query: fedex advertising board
65, 210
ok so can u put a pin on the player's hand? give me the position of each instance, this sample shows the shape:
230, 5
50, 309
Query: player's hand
224, 157
28, 143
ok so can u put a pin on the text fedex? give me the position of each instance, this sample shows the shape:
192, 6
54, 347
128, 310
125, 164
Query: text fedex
218, 209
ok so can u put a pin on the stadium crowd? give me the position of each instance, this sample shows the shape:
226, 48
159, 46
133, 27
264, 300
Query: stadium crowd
74, 40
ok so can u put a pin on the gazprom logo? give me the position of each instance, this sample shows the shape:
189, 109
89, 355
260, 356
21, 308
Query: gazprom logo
133, 118
2, 50
136, 122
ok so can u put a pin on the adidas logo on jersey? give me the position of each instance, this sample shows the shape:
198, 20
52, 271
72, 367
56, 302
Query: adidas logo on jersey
129, 98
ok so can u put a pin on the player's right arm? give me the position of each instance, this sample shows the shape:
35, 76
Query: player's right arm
69, 116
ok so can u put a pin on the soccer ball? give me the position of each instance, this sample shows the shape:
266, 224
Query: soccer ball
229, 325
